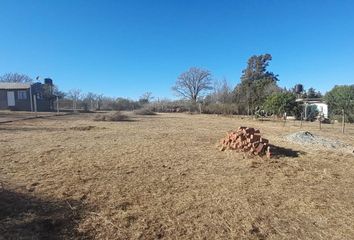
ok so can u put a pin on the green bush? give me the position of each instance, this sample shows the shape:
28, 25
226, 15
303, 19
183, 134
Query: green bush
311, 112
341, 98
279, 103
348, 118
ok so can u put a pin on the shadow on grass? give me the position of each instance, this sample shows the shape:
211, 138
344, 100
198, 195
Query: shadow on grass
284, 152
25, 217
117, 121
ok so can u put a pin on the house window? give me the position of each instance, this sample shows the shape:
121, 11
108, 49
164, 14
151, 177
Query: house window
22, 95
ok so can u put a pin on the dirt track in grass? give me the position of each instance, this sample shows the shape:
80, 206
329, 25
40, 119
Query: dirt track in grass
162, 176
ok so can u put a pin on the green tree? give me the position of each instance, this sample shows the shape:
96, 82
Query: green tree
281, 102
311, 112
341, 98
256, 82
311, 93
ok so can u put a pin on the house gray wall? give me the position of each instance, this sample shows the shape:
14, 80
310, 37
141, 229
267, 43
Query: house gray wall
44, 105
3, 99
24, 104
20, 104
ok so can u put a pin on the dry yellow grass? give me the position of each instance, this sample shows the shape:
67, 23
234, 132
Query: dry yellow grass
163, 177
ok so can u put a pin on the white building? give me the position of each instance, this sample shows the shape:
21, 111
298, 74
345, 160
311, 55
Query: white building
322, 108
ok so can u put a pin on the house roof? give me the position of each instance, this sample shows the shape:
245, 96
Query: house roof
9, 85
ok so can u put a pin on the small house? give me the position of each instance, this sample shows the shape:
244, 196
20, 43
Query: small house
320, 106
27, 96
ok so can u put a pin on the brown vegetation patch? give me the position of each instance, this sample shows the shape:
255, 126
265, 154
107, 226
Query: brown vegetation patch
82, 128
164, 178
144, 111
111, 117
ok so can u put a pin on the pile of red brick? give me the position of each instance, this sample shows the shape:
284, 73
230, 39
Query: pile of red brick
246, 139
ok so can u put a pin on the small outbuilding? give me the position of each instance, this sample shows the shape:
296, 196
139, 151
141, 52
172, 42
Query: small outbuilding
320, 106
27, 96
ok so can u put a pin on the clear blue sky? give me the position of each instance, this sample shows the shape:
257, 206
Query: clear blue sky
125, 48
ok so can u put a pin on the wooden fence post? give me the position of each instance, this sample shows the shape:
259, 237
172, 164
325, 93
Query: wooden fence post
343, 121
57, 105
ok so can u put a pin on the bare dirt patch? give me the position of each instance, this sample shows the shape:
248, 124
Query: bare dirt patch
11, 116
164, 177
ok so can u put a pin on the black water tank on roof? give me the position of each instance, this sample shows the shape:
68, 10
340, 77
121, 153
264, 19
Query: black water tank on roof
299, 88
48, 81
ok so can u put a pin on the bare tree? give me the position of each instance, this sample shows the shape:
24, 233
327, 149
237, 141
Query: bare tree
74, 95
222, 92
192, 83
87, 101
146, 98
99, 101
15, 77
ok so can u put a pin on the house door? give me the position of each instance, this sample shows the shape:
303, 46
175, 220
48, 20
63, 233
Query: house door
10, 99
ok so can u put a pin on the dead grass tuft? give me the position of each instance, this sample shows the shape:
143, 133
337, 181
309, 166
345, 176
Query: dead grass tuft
111, 117
144, 111
82, 128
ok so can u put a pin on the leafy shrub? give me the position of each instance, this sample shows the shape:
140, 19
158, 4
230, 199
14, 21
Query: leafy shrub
311, 112
341, 98
279, 103
348, 118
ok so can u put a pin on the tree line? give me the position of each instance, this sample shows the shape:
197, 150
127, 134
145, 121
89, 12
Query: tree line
257, 93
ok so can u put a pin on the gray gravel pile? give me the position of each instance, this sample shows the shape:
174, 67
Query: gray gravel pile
307, 138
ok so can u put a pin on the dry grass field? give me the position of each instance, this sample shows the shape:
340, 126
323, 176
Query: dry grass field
163, 177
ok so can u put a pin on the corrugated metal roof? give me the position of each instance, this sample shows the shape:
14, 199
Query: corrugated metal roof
8, 85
